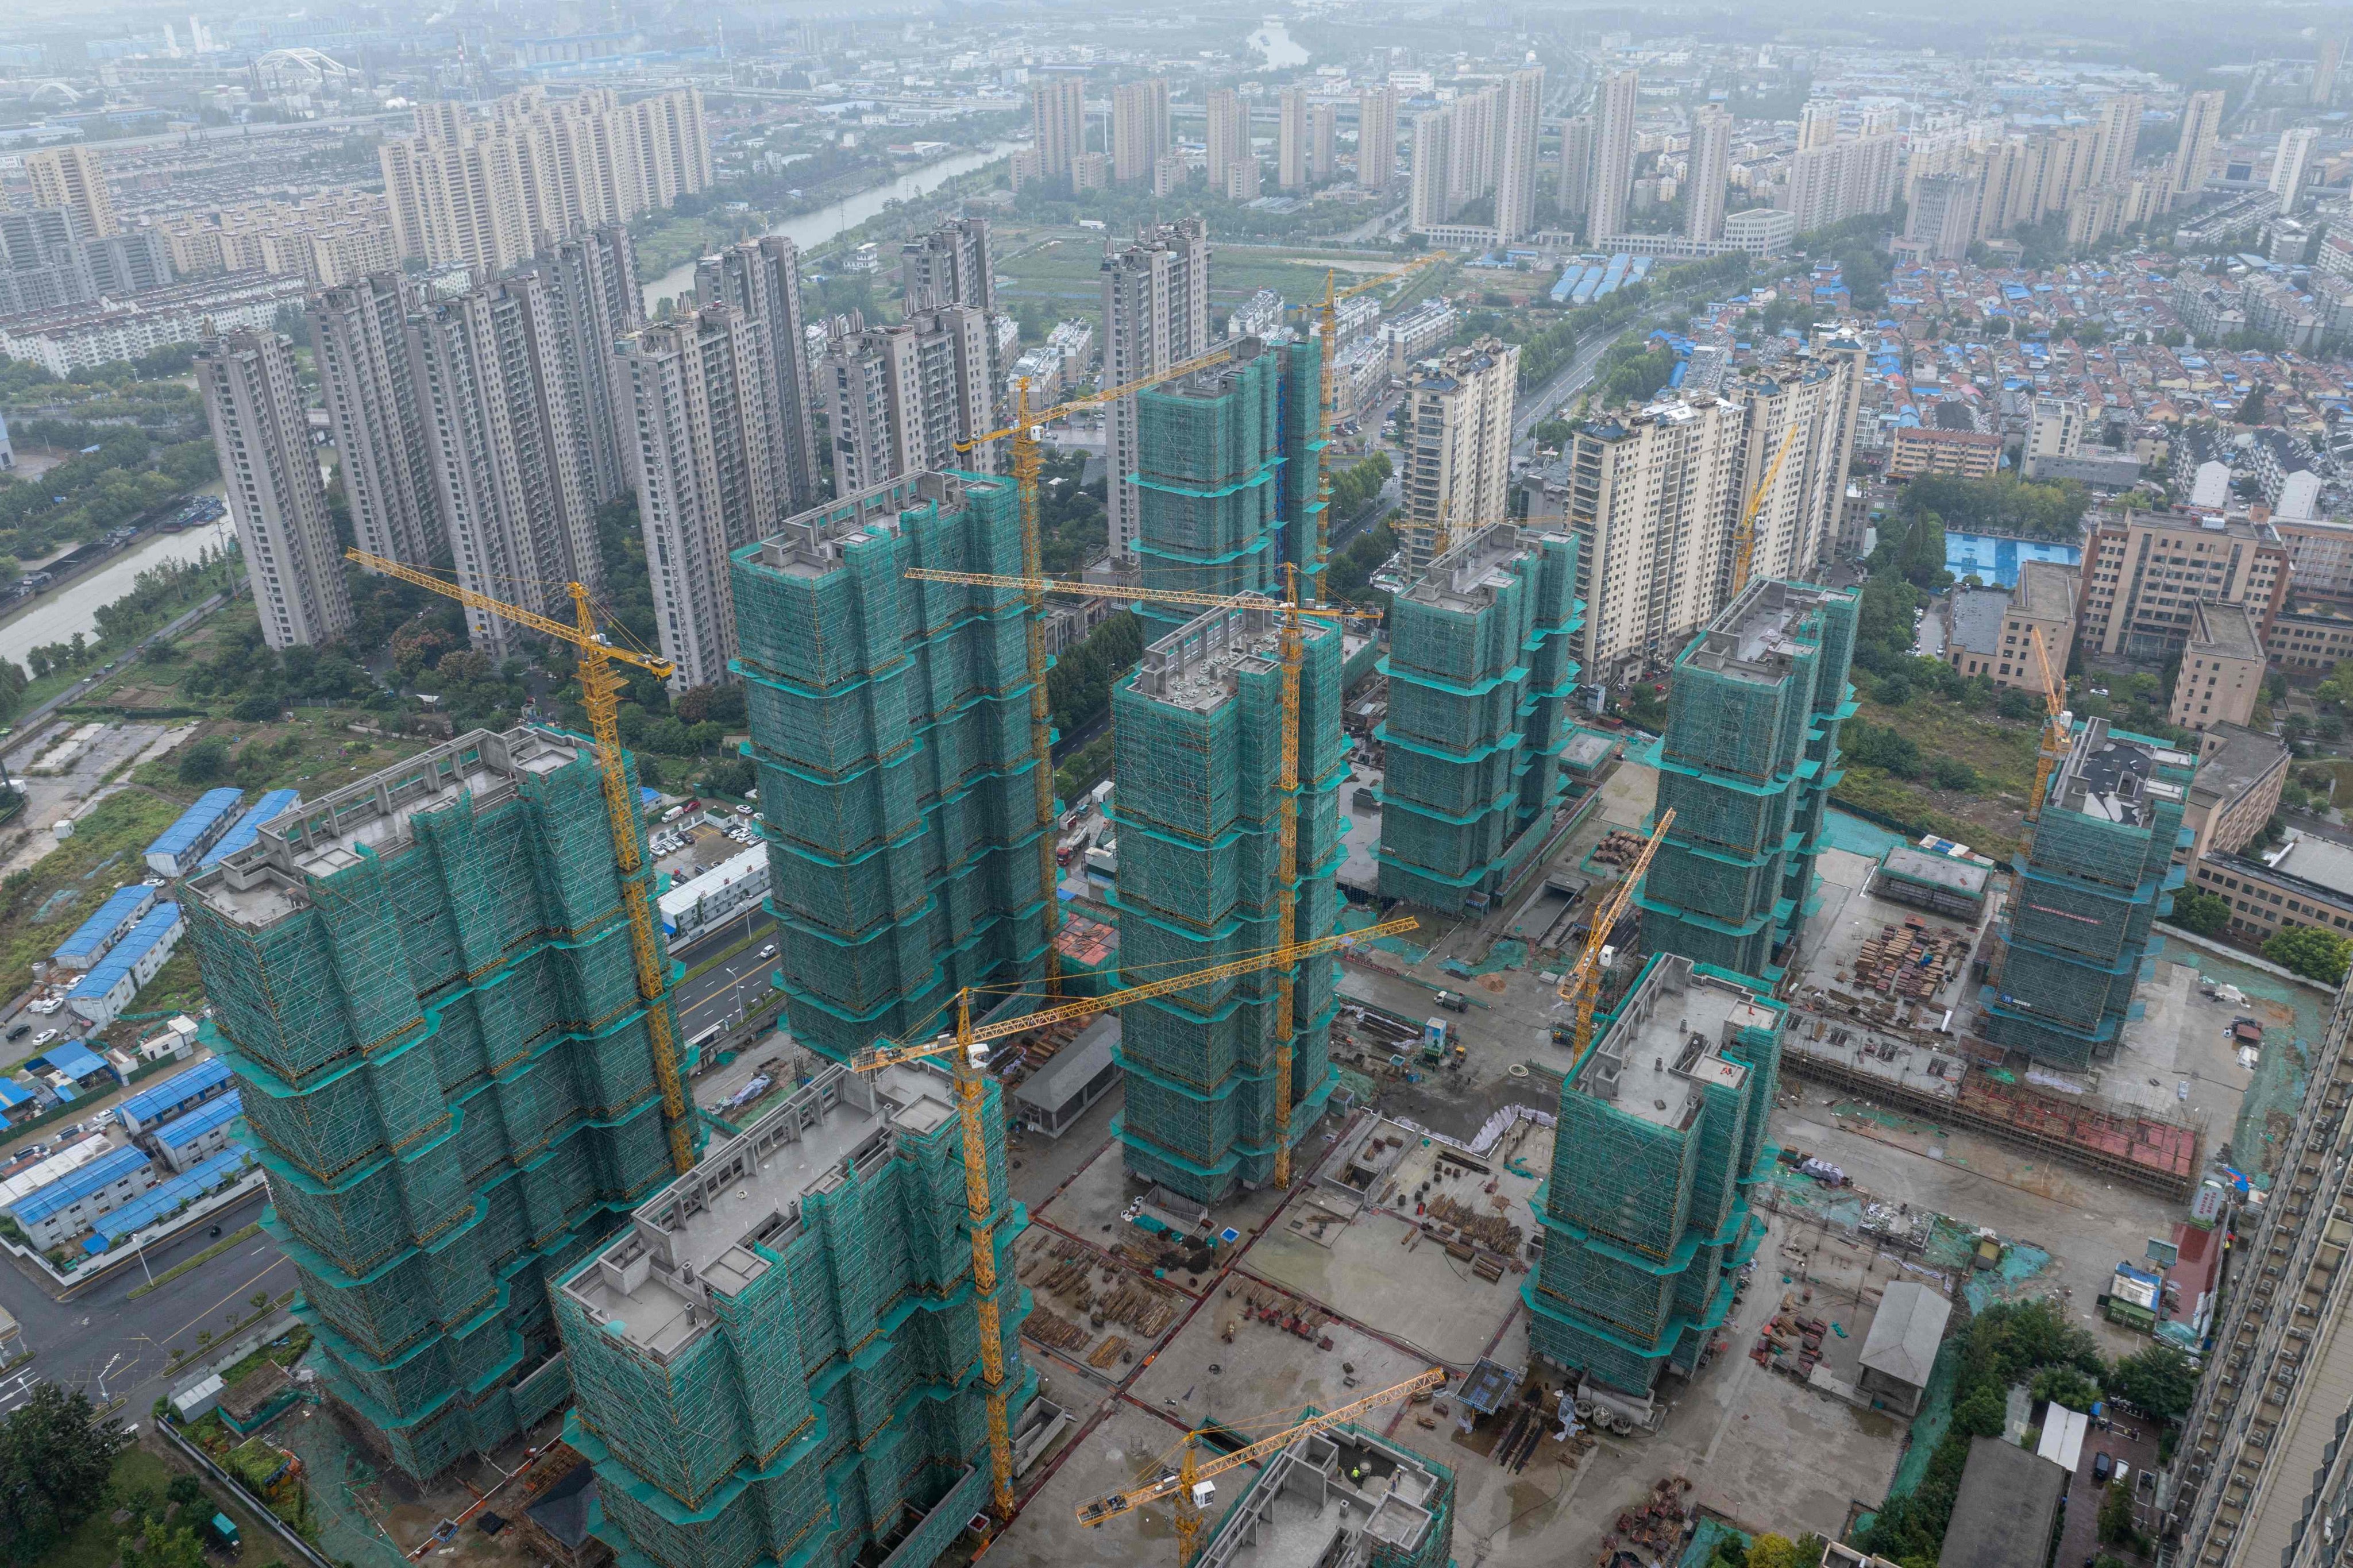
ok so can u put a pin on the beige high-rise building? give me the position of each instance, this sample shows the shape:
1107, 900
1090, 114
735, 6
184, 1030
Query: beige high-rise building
1454, 427
73, 178
593, 300
1291, 139
1519, 124
2119, 126
492, 193
2222, 665
1576, 193
2201, 139
1818, 124
1229, 134
1058, 115
1802, 411
1613, 154
503, 444
697, 388
1432, 203
1322, 141
761, 279
2292, 164
359, 342
269, 472
1139, 127
1376, 138
1155, 315
1835, 180
1710, 172
899, 398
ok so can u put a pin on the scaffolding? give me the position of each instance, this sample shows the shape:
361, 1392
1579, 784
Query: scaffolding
780, 1361
1198, 756
1747, 763
2099, 872
424, 988
1480, 675
890, 725
1661, 1129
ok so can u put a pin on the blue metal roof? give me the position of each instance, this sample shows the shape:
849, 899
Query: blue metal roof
70, 1189
196, 821
204, 1118
248, 827
73, 1058
14, 1094
195, 1080
150, 929
159, 1201
122, 905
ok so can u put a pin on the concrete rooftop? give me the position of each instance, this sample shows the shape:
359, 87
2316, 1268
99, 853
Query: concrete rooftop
1664, 1048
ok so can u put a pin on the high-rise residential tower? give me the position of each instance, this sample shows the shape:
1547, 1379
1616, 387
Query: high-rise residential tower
1291, 139
254, 404
1576, 196
1377, 135
1710, 172
2201, 135
2292, 164
1228, 139
588, 282
760, 279
1519, 122
2119, 123
1322, 141
1455, 429
1613, 152
504, 448
1058, 111
707, 476
74, 178
952, 265
1155, 315
1432, 199
424, 988
899, 398
359, 341
1139, 127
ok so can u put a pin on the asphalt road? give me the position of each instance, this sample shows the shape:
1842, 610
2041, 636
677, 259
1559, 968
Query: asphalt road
732, 985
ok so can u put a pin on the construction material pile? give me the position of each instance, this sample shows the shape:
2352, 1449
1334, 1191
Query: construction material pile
1910, 961
1655, 1530
1792, 1342
1618, 848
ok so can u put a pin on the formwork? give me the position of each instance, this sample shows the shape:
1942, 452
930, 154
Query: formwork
1480, 675
1661, 1129
2097, 873
889, 726
1747, 762
1226, 478
1198, 756
780, 1361
424, 988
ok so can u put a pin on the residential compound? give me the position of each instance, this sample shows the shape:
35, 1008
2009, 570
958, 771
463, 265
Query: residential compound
1992, 631
1481, 147
2144, 573
2221, 667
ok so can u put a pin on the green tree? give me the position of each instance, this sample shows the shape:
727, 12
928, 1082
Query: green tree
1767, 1551
1921, 557
2197, 910
159, 1545
2115, 1523
2067, 1385
56, 1452
2310, 951
204, 762
2251, 408
2160, 1380
185, 1491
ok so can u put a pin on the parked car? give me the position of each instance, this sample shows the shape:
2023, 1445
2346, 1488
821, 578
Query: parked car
44, 1037
20, 1032
2102, 1467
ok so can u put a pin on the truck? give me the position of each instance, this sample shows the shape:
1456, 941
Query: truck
1454, 1001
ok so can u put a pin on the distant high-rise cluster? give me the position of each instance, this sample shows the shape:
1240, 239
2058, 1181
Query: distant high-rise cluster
492, 193
1479, 152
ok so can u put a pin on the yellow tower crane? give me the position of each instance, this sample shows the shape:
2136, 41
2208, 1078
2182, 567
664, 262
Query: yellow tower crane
1328, 334
966, 1051
601, 693
1027, 464
1582, 984
1744, 537
1185, 1484
2053, 743
1293, 650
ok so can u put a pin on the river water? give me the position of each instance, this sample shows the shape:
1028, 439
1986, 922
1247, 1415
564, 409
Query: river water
814, 228
56, 617
1274, 40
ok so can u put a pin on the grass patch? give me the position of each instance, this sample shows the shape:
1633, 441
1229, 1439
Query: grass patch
206, 1256
1919, 811
92, 1544
75, 877
2001, 751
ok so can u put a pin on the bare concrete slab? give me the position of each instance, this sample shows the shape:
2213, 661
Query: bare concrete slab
1128, 1448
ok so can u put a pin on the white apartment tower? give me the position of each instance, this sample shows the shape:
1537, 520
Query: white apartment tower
2119, 126
254, 401
359, 343
2292, 164
1576, 196
697, 387
1613, 154
1291, 139
760, 279
2202, 136
1229, 135
1322, 142
899, 398
1155, 315
1432, 201
504, 450
1519, 124
1139, 127
588, 282
1455, 429
1058, 109
1710, 172
1377, 135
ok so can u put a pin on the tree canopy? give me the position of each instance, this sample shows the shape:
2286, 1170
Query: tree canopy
57, 1451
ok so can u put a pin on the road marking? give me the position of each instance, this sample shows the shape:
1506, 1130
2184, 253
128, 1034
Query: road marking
17, 1388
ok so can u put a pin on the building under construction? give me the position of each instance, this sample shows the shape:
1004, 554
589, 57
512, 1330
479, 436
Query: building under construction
890, 725
425, 985
779, 1362
1747, 764
1340, 1498
1227, 476
2096, 876
1480, 676
1198, 743
1646, 1223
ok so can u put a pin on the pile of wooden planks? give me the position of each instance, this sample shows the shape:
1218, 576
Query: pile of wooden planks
1910, 961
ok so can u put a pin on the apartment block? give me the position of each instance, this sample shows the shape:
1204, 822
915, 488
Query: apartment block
952, 265
44, 268
2099, 872
336, 237
2260, 1474
1227, 134
1454, 430
424, 984
359, 345
1376, 137
1058, 114
1480, 669
1710, 172
1803, 413
707, 473
1139, 128
1851, 178
1992, 630
900, 398
1291, 139
1967, 454
2194, 156
74, 178
2143, 571
760, 280
890, 730
2237, 788
589, 285
2055, 428
1618, 104
1747, 764
1576, 189
793, 1322
1519, 121
261, 429
2221, 675
502, 445
1646, 1217
1155, 315
1196, 755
